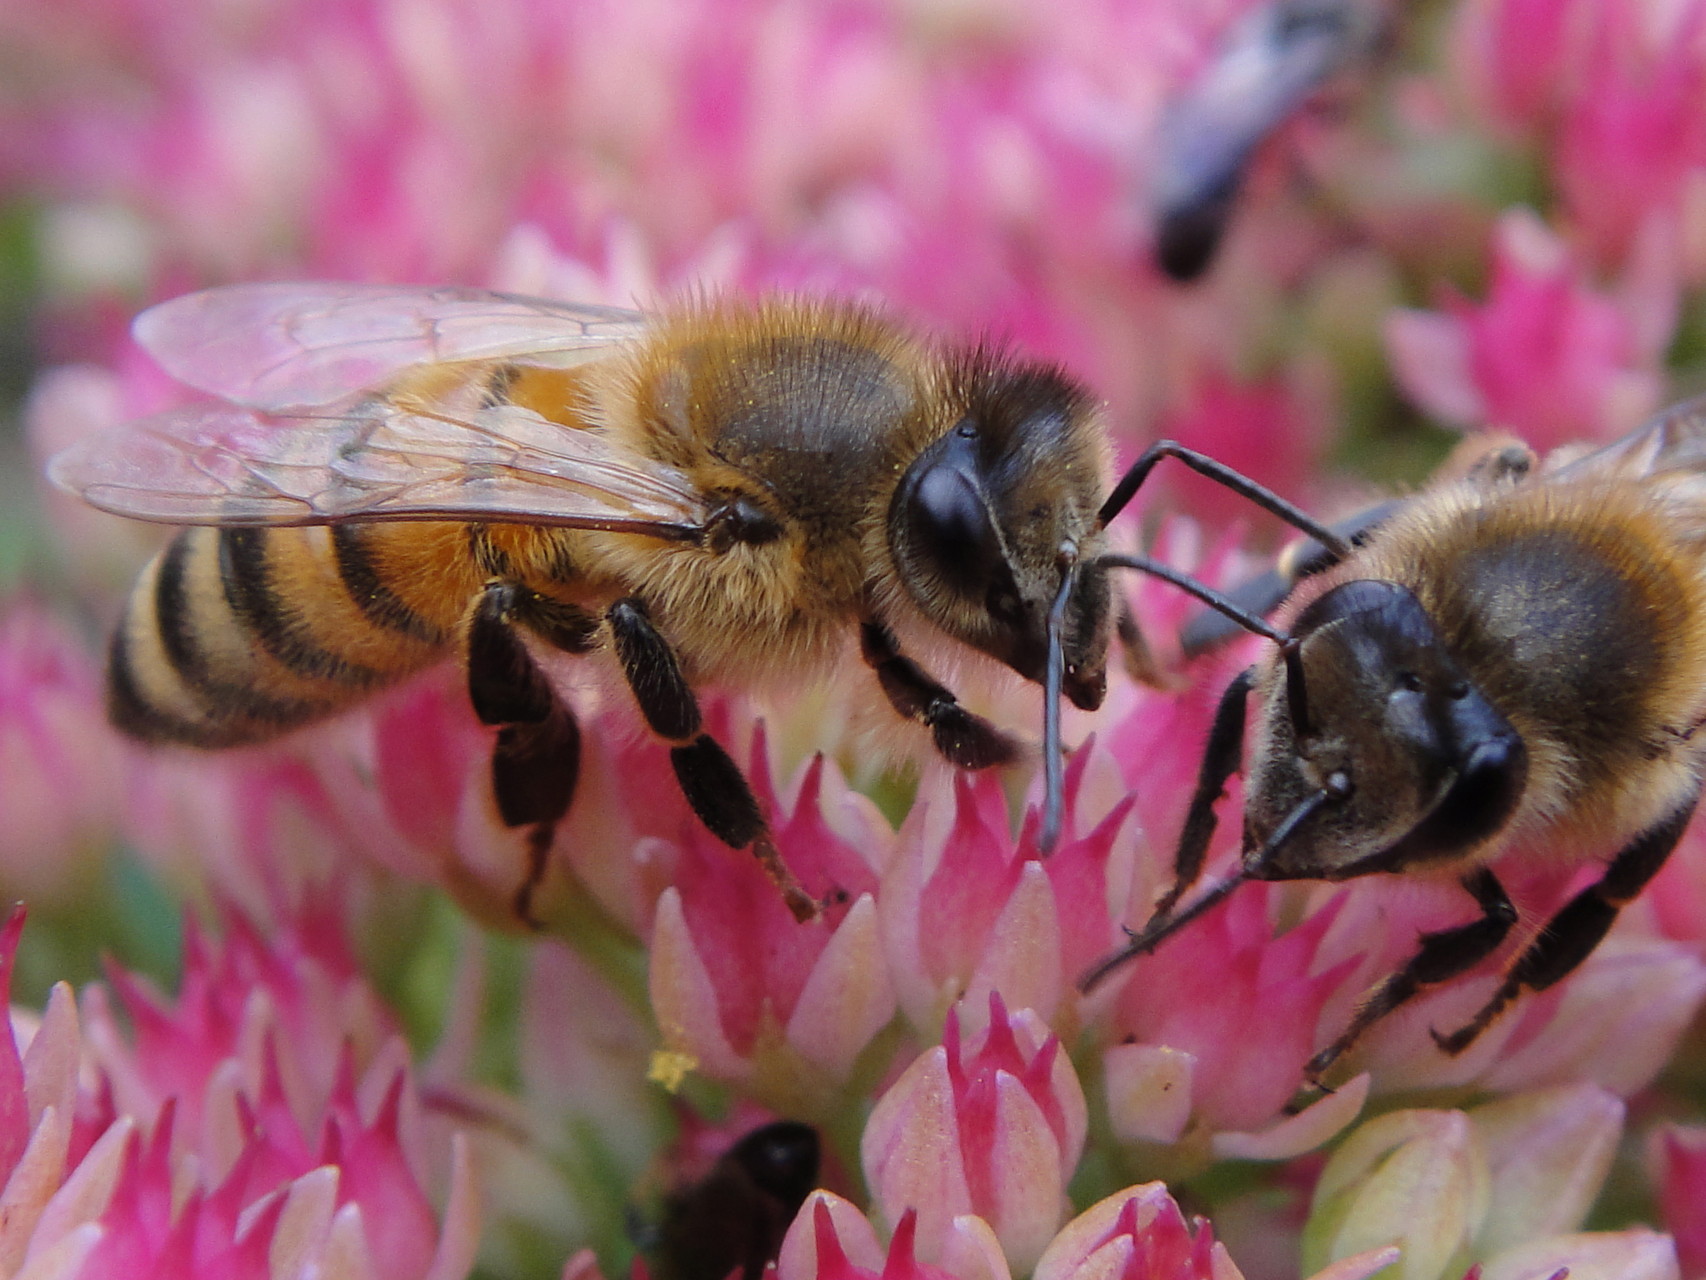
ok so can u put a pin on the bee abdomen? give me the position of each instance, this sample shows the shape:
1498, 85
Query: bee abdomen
238, 635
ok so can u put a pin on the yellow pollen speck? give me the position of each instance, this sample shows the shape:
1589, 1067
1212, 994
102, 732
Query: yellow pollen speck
670, 1068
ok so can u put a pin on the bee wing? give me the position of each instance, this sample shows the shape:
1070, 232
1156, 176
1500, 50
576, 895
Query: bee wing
280, 346
1672, 442
224, 465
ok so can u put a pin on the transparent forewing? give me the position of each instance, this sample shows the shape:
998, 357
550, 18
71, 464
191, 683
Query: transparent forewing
1672, 443
283, 346
223, 465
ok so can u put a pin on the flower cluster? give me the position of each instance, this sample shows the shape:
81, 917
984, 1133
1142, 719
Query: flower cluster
1484, 218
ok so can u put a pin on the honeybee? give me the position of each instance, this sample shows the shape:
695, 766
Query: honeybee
1516, 655
1271, 62
717, 493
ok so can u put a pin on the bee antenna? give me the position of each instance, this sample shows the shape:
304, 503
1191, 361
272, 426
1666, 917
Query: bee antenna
1054, 789
1163, 927
1208, 595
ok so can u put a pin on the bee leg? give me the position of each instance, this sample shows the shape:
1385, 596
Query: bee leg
537, 756
712, 782
967, 740
1443, 955
1571, 936
1221, 759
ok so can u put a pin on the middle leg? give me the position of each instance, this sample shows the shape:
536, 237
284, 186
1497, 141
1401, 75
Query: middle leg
536, 759
711, 781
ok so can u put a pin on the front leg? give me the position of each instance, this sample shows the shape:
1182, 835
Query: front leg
966, 739
713, 784
1442, 956
1570, 936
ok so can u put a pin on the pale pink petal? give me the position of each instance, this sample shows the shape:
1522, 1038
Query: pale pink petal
64, 1259
684, 995
1430, 359
1028, 1189
309, 1204
1615, 1023
848, 997
1636, 1254
910, 1150
1417, 1179
826, 1211
1148, 1091
1022, 956
86, 1193
1548, 1153
55, 1051
459, 1225
1359, 1266
972, 1251
39, 1173
1310, 1128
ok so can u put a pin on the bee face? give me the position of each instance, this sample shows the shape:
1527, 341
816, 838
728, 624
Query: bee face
986, 520
1418, 765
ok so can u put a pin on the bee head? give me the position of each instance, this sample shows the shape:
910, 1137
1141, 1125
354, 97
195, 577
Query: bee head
987, 519
1371, 724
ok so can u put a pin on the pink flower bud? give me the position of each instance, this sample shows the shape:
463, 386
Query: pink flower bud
59, 762
993, 1128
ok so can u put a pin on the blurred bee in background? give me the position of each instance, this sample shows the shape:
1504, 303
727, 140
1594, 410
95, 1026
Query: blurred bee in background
731, 1221
715, 494
1270, 63
1515, 656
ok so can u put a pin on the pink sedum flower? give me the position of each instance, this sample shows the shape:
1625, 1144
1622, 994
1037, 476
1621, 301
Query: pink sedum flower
991, 1126
1680, 1152
832, 1240
86, 1194
737, 983
1234, 1007
1521, 57
1139, 1234
1631, 149
967, 910
58, 759
1546, 355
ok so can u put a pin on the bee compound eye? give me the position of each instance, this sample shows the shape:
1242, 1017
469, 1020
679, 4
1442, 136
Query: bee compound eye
945, 523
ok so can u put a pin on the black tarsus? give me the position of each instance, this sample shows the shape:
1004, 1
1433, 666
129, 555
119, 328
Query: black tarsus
1571, 935
1440, 957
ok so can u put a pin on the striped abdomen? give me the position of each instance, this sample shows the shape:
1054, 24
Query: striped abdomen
236, 635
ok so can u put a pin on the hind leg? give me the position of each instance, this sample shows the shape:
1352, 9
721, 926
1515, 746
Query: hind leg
536, 760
